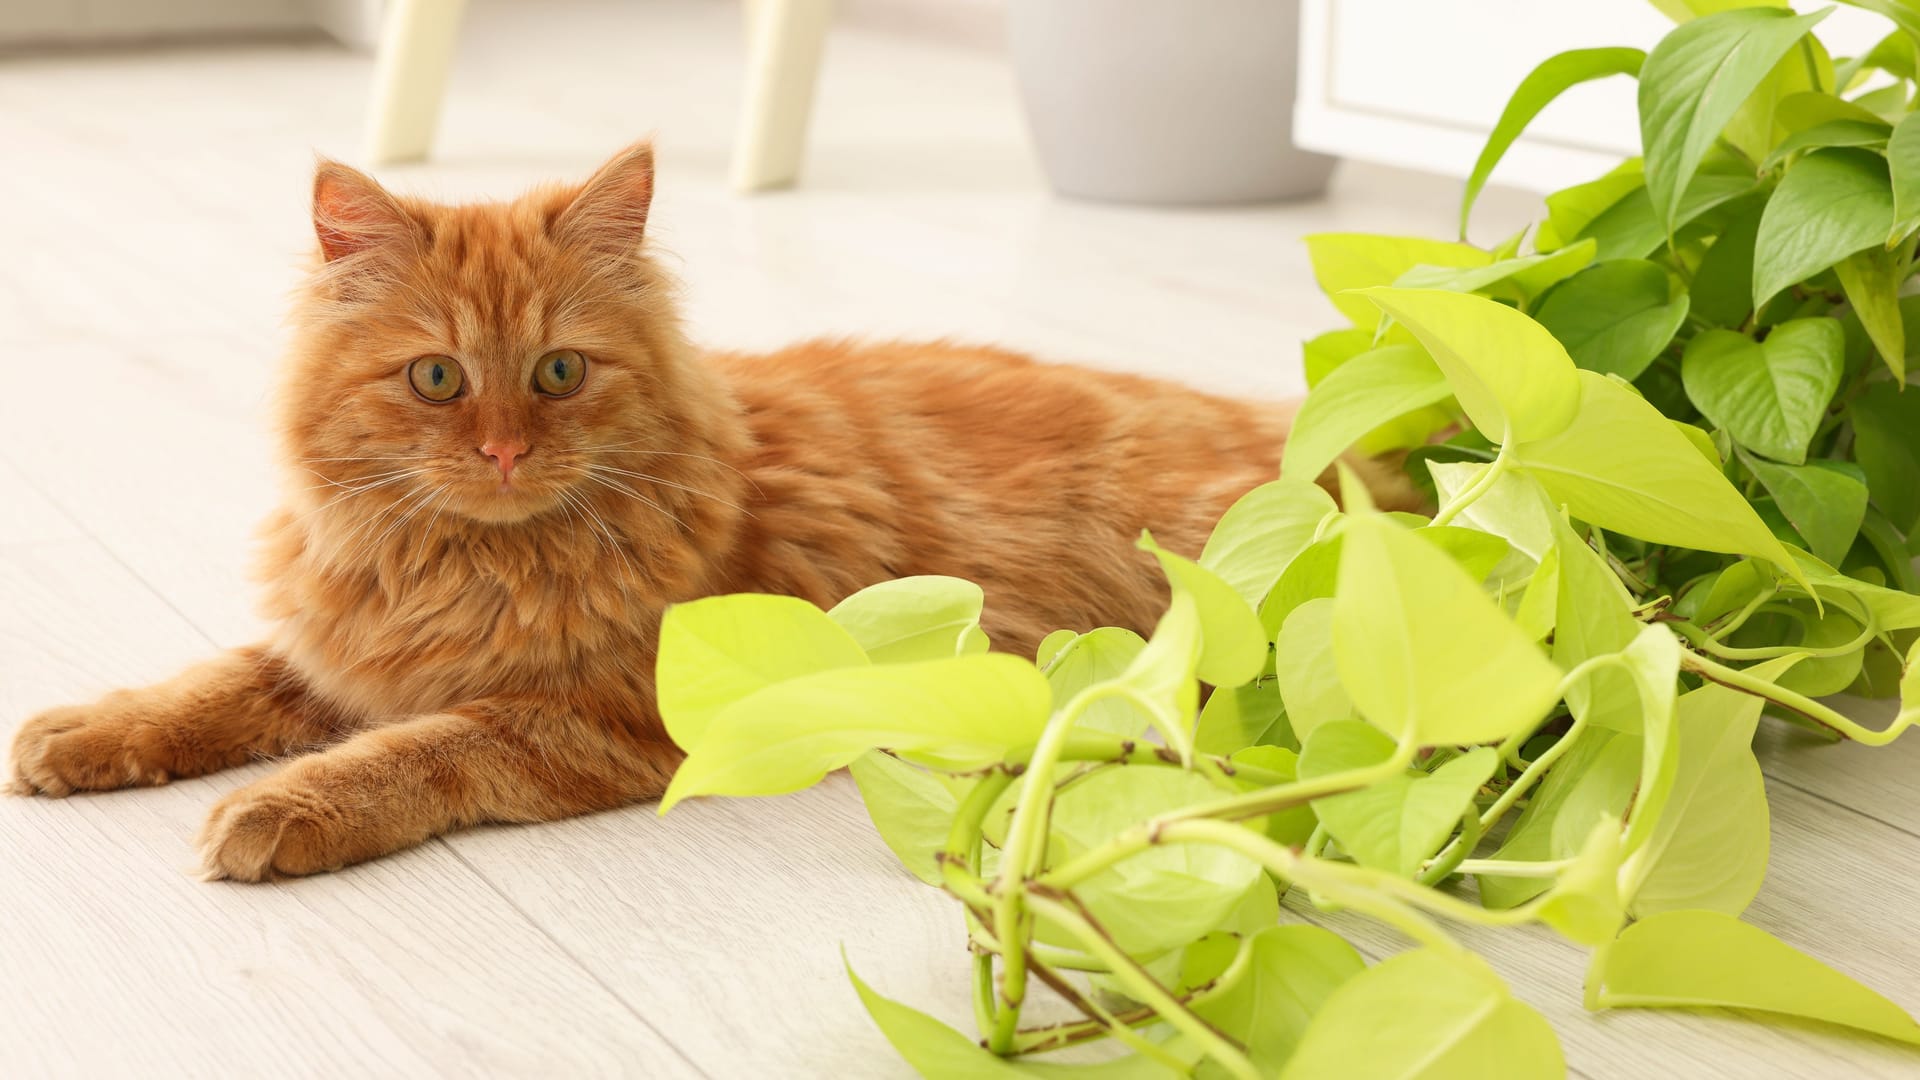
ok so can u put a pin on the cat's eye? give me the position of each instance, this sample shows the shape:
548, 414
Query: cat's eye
436, 378
560, 373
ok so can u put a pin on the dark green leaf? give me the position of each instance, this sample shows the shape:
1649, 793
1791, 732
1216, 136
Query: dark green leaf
1615, 317
1692, 84
1824, 504
1829, 205
1769, 395
1722, 288
1886, 444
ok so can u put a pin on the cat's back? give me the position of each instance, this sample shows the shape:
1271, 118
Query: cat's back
1033, 479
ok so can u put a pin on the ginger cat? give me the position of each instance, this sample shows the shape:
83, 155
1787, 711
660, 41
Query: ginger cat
523, 462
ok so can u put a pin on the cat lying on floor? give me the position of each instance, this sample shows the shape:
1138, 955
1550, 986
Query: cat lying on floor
522, 461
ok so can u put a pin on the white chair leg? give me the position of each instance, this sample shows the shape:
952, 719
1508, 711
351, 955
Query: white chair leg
784, 41
410, 77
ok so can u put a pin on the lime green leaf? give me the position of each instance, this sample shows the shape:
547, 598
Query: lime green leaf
1515, 508
1544, 83
910, 807
1537, 613
1632, 229
1871, 281
1519, 278
1829, 205
1799, 112
959, 713
1265, 530
1708, 849
914, 618
1163, 897
1903, 161
1395, 825
1771, 395
1292, 826
1477, 552
1232, 647
1886, 434
1623, 467
1692, 84
1870, 134
1244, 716
1585, 905
1513, 379
1615, 317
1101, 655
1356, 398
1824, 503
938, 1052
1320, 355
1819, 676
1308, 577
1593, 618
1290, 974
1423, 651
1654, 660
1346, 261
1304, 669
1428, 1014
1594, 782
1570, 210
1161, 678
716, 651
1705, 959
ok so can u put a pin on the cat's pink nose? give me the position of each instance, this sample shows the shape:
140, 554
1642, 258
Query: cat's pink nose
504, 452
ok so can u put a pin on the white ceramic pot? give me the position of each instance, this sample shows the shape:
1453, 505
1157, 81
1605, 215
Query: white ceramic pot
1164, 101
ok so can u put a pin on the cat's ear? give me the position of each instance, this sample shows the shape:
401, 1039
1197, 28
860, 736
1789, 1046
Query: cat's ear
609, 213
352, 213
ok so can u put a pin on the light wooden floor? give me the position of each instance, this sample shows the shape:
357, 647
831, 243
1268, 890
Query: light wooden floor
151, 216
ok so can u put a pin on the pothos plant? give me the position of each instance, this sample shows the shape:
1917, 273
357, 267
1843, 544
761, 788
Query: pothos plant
1677, 481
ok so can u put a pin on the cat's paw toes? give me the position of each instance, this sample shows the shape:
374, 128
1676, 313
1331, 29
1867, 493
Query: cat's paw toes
73, 749
275, 828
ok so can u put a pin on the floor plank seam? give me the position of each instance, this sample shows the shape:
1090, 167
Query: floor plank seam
588, 971
1831, 801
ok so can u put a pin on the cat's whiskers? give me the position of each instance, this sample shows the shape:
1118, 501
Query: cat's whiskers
620, 448
617, 486
596, 467
601, 529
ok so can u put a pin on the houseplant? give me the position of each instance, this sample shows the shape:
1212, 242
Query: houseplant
1677, 480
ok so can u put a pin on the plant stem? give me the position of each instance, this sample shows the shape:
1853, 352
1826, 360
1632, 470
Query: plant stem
1144, 987
1482, 483
1707, 643
1736, 679
1512, 868
1251, 805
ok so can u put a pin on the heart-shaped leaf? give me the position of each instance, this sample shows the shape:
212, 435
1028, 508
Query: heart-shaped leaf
1423, 651
1824, 502
1771, 395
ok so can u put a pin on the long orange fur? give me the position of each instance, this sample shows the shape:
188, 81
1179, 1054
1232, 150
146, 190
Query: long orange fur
452, 648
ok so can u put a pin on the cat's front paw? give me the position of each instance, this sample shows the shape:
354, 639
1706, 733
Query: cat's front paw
282, 826
83, 748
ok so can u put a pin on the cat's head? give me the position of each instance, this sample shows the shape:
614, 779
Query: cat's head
493, 362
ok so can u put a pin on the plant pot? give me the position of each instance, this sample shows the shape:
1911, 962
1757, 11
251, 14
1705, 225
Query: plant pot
1164, 101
